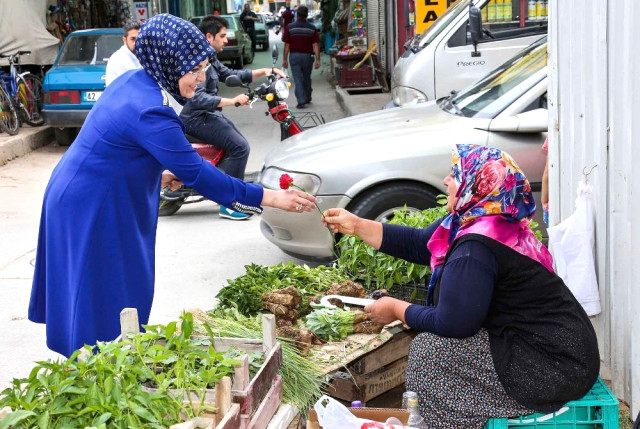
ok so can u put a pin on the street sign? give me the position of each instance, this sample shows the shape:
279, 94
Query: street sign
142, 11
428, 11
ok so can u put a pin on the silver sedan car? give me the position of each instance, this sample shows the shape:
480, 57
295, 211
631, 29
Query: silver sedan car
375, 163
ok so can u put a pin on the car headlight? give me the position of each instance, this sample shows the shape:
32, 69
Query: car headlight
270, 179
282, 89
405, 96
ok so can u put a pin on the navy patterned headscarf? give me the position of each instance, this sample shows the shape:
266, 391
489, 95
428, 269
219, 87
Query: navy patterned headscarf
168, 47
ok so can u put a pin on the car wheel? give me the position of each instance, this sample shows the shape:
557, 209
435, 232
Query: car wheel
169, 207
240, 61
249, 59
65, 136
379, 203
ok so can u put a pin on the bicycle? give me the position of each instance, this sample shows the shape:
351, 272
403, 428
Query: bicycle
25, 94
9, 122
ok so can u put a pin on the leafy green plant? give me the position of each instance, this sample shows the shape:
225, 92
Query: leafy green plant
365, 263
331, 323
244, 292
107, 390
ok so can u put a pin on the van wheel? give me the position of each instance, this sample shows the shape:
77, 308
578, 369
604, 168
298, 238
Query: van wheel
65, 136
240, 61
380, 202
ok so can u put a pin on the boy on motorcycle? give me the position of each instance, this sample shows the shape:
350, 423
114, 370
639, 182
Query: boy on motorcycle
202, 114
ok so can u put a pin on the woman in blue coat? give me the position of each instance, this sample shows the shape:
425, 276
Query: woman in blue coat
96, 246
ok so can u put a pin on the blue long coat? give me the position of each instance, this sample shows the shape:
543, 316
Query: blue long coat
96, 246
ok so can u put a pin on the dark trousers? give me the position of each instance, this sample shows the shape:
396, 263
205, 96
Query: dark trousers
215, 129
301, 67
252, 34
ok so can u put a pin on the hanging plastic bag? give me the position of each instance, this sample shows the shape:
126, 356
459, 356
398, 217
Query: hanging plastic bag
333, 415
572, 244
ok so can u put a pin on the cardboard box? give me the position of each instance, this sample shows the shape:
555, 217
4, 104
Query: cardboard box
375, 414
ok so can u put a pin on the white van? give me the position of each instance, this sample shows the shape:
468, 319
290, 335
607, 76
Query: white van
463, 45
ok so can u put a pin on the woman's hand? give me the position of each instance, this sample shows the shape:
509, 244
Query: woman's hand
169, 180
386, 310
340, 221
291, 200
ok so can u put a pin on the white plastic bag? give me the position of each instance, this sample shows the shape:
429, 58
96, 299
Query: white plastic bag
333, 415
572, 245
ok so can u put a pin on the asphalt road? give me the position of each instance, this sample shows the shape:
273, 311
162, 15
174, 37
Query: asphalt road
197, 251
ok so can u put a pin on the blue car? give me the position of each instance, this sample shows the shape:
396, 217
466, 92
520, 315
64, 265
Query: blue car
77, 79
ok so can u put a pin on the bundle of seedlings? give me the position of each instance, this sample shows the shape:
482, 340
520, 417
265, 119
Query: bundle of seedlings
302, 379
244, 292
284, 303
301, 338
333, 324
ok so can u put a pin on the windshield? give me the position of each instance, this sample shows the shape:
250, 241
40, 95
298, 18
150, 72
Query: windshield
231, 20
442, 22
491, 95
89, 49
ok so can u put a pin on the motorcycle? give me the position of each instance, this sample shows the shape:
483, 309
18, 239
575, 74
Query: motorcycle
275, 92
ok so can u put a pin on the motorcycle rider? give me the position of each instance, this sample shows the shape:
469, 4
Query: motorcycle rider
202, 114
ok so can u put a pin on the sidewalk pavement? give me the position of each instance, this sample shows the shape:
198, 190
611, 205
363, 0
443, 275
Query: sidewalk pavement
28, 139
31, 138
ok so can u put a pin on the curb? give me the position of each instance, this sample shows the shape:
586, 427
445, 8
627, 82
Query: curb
27, 140
343, 96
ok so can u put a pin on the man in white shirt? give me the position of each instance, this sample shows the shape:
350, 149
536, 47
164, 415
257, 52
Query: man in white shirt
124, 59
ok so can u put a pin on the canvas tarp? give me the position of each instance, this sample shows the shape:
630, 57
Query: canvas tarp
24, 29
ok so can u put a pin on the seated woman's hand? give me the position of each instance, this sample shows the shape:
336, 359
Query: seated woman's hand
386, 310
340, 221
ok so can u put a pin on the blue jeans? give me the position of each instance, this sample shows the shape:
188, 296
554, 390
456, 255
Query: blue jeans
216, 130
301, 67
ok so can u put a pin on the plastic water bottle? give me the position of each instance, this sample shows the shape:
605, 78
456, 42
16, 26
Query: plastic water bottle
415, 419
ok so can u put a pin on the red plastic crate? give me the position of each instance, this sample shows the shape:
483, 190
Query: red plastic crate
350, 78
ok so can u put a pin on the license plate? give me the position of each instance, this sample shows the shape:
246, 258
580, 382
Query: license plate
91, 95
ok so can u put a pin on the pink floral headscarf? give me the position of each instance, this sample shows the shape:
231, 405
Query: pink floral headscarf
494, 199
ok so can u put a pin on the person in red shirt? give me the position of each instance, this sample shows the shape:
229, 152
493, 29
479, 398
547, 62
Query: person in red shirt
301, 42
286, 18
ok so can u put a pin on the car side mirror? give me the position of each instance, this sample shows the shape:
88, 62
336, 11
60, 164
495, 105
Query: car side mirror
533, 121
233, 81
475, 26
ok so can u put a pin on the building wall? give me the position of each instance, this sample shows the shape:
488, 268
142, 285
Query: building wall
594, 97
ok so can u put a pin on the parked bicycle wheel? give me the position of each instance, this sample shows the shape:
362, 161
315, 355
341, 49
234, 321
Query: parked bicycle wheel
30, 96
9, 121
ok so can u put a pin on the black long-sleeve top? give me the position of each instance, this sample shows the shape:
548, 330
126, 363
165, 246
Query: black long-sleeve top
465, 289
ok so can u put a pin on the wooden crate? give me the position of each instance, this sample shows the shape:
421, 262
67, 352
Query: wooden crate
374, 373
259, 397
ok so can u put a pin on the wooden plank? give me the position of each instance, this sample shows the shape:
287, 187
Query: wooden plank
261, 382
268, 332
389, 352
365, 387
241, 374
268, 407
129, 323
249, 345
231, 419
223, 395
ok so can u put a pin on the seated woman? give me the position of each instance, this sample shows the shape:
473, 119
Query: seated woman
501, 335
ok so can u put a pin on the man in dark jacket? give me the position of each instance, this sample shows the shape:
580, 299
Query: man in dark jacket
248, 19
202, 114
301, 42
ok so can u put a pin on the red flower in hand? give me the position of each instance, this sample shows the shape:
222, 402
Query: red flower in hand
285, 181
